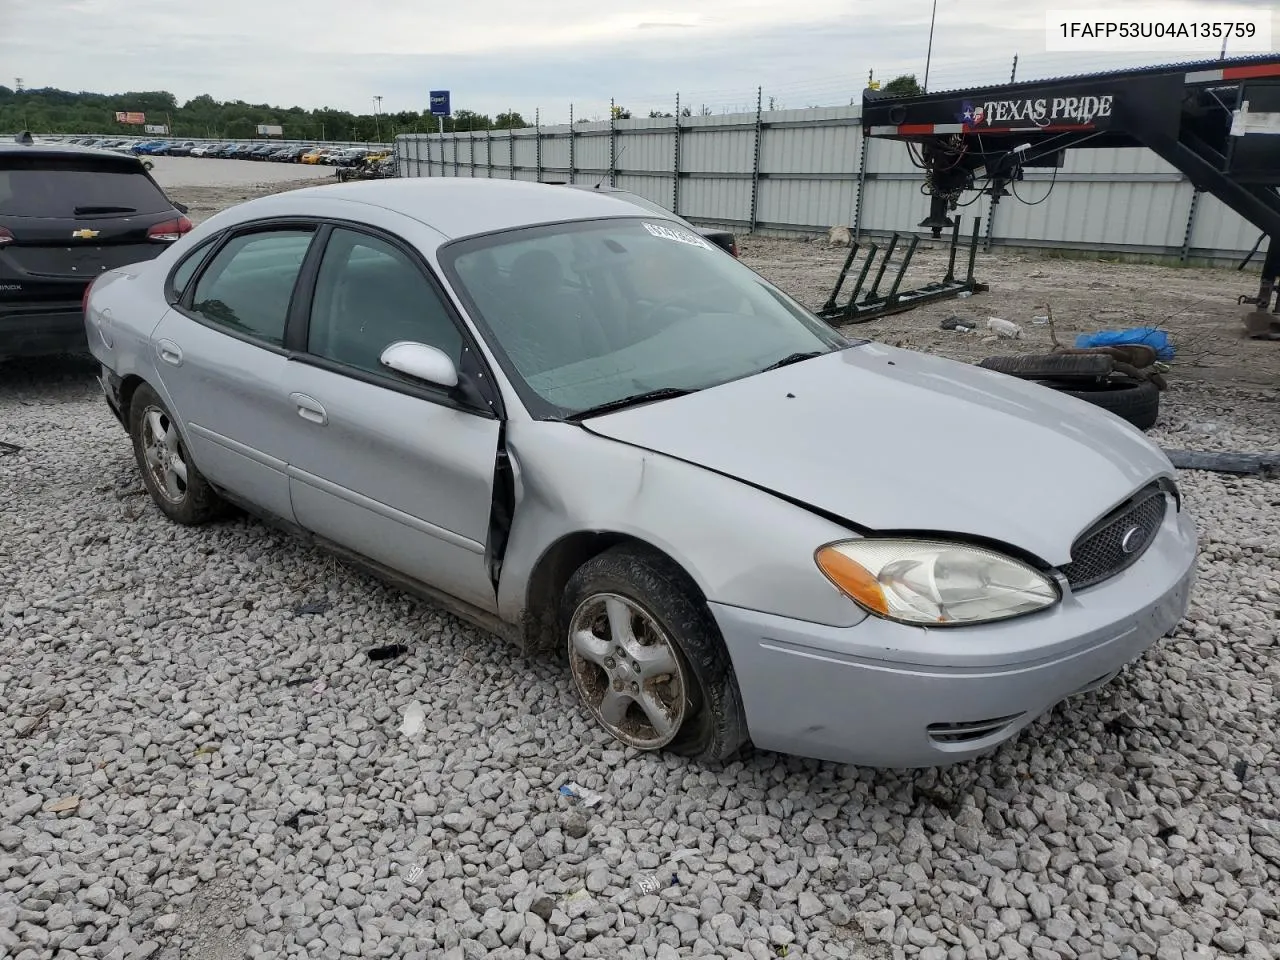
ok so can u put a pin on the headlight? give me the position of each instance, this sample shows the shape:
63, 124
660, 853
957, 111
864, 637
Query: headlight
934, 583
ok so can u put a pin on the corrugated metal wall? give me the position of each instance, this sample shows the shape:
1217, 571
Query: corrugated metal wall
801, 171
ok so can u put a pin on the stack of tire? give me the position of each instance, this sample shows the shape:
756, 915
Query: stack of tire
1125, 380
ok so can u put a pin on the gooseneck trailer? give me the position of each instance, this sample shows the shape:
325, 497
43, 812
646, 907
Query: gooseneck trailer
1216, 121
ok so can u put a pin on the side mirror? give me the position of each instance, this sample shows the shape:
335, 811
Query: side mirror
421, 361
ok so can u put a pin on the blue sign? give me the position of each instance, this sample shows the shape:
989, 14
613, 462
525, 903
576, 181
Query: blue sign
440, 103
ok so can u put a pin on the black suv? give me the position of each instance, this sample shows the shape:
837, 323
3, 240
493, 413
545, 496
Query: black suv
67, 213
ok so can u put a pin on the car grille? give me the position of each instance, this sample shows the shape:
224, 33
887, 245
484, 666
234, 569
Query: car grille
1102, 551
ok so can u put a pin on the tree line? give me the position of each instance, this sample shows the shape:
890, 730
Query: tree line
48, 110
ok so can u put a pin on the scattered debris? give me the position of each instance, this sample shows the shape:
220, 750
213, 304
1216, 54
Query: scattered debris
63, 805
7, 447
316, 606
588, 797
415, 719
1040, 321
1004, 328
839, 237
320, 686
962, 324
1257, 464
298, 681
388, 652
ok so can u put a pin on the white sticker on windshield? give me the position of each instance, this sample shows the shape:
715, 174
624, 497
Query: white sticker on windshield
680, 236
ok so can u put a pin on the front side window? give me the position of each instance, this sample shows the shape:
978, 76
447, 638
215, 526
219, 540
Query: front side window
249, 284
369, 295
594, 312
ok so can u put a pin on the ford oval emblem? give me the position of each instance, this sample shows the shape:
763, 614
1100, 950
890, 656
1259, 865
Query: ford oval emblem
1132, 539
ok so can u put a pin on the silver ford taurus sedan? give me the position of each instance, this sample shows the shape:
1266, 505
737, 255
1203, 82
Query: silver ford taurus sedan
575, 422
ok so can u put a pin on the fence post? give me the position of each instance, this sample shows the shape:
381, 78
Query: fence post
571, 180
755, 167
675, 165
511, 148
613, 132
862, 182
455, 152
488, 150
537, 146
991, 224
1191, 226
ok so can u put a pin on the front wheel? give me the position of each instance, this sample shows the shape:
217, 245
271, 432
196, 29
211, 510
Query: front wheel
647, 658
168, 472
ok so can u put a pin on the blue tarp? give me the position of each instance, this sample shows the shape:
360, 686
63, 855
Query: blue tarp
1158, 340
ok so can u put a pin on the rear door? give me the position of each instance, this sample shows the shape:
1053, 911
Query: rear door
221, 357
68, 218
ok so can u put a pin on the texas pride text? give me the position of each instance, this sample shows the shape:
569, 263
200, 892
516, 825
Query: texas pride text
1044, 111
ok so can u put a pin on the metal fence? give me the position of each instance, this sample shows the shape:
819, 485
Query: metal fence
800, 172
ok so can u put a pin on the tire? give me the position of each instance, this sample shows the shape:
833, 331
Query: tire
702, 705
190, 502
1137, 401
1059, 366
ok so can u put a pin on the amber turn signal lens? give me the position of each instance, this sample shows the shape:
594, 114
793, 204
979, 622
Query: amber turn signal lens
853, 579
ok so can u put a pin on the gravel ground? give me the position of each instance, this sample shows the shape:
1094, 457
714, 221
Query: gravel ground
198, 759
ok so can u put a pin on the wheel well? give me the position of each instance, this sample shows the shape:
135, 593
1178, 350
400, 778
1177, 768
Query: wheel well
128, 386
558, 564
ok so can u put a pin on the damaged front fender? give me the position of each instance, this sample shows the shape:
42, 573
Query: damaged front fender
740, 545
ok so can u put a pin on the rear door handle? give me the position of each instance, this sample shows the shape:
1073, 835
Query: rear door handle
309, 409
169, 352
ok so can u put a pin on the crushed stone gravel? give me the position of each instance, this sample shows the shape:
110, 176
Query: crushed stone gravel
174, 783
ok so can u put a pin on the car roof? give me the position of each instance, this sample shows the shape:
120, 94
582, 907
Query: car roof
12, 147
455, 206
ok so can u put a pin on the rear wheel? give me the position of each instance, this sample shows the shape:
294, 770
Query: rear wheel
176, 486
647, 658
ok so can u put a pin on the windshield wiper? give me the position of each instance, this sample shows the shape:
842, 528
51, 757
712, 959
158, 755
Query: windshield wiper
81, 211
795, 358
662, 393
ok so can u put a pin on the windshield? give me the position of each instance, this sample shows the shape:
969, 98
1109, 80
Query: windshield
590, 313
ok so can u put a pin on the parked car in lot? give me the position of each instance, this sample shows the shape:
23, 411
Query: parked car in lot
67, 214
575, 421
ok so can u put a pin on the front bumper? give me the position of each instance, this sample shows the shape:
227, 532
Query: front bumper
883, 694
39, 330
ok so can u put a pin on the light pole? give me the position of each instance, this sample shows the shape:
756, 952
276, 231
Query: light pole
377, 123
929, 55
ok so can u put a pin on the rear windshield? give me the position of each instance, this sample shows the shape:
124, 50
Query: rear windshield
75, 188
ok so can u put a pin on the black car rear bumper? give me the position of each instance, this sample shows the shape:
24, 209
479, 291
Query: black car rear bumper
31, 330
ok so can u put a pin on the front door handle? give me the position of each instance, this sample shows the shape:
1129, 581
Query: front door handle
309, 409
169, 352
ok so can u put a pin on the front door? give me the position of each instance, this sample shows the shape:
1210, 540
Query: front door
221, 358
381, 463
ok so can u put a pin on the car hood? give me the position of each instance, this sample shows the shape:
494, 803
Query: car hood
894, 440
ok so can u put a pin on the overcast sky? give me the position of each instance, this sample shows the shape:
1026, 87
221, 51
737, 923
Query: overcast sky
524, 54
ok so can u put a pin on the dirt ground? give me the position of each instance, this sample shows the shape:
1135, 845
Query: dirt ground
1224, 389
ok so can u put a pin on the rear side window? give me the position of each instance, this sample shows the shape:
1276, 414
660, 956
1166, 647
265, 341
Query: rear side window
187, 269
249, 284
75, 188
